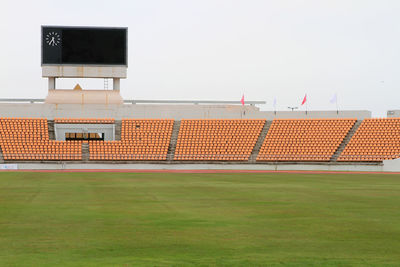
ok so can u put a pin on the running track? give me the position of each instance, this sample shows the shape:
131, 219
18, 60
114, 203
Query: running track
198, 171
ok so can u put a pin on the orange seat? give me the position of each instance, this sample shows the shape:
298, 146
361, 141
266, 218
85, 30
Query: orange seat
374, 140
28, 139
304, 139
212, 139
141, 139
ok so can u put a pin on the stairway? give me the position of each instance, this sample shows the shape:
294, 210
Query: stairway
174, 140
346, 140
260, 141
50, 125
85, 151
118, 129
1, 156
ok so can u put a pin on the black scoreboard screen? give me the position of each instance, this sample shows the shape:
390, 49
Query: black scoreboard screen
84, 46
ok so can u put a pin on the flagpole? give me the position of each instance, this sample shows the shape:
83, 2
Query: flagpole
337, 106
306, 105
243, 110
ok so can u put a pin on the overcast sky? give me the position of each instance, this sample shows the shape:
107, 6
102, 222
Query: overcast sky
219, 49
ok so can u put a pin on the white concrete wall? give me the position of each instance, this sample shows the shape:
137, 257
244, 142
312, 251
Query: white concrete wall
391, 165
358, 114
84, 71
142, 166
177, 112
84, 97
60, 129
393, 113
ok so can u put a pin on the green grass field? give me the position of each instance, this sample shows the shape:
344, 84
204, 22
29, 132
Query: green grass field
128, 219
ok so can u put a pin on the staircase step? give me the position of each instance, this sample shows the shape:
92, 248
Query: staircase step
260, 141
174, 140
85, 151
118, 129
346, 140
1, 156
50, 126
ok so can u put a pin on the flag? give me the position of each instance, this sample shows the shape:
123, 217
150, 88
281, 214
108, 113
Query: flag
333, 99
274, 102
242, 100
304, 100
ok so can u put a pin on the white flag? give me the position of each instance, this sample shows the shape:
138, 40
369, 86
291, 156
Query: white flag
274, 102
333, 99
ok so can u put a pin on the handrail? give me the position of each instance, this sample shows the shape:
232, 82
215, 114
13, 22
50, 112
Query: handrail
195, 102
30, 100
128, 101
186, 155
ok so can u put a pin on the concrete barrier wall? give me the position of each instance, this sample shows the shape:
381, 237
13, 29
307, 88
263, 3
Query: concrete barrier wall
391, 165
60, 129
177, 112
143, 166
393, 113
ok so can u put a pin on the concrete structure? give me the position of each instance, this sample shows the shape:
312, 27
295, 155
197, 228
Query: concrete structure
391, 165
317, 114
101, 97
161, 111
82, 97
173, 110
61, 129
60, 71
393, 113
189, 166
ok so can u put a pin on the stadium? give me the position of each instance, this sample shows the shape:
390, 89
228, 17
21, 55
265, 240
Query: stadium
89, 178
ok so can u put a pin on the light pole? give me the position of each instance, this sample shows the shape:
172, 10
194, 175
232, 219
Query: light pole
292, 108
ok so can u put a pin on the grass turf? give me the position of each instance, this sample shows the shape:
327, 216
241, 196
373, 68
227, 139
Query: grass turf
128, 219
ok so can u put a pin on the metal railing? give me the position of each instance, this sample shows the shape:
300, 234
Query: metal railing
189, 157
194, 102
41, 156
29, 100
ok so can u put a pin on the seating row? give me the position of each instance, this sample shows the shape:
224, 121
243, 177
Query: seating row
84, 121
231, 140
304, 139
209, 140
375, 140
20, 139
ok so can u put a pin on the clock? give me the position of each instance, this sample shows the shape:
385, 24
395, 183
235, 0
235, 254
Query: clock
53, 39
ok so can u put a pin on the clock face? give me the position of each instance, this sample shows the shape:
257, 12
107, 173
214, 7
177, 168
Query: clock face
53, 39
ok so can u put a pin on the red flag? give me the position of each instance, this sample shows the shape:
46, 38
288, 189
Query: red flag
242, 100
304, 100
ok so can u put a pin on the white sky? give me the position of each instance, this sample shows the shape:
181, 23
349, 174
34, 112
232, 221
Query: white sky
219, 49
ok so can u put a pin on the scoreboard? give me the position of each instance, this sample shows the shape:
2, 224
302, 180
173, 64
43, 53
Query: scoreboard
97, 46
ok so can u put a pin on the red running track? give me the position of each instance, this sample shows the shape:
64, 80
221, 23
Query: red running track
199, 171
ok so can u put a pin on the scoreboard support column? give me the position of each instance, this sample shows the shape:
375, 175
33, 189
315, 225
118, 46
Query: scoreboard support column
116, 83
52, 83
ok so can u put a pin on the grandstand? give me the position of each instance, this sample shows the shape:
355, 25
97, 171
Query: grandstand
375, 140
95, 128
216, 140
258, 142
140, 140
304, 140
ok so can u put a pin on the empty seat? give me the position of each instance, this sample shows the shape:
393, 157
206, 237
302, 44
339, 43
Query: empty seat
141, 139
304, 139
217, 140
84, 121
375, 140
28, 139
